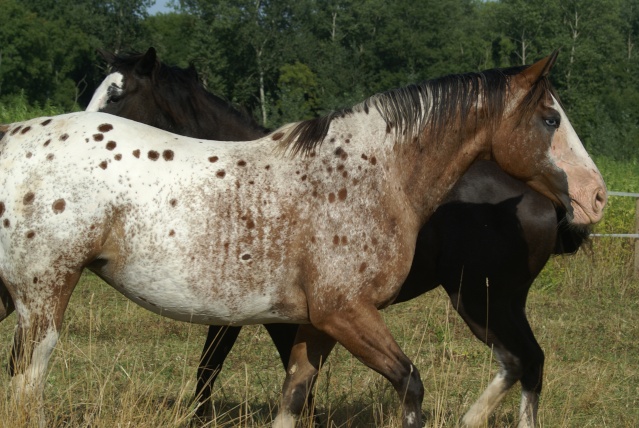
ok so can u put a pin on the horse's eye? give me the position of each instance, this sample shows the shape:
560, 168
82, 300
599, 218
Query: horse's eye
552, 122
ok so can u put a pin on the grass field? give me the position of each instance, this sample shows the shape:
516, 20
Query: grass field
117, 365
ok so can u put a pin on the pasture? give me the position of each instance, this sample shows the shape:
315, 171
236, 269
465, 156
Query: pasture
117, 365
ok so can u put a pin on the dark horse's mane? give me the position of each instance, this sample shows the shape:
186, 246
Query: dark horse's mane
179, 92
437, 104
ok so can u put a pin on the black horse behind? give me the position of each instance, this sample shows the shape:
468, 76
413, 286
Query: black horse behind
485, 244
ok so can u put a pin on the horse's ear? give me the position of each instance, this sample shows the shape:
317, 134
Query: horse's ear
145, 66
107, 56
540, 69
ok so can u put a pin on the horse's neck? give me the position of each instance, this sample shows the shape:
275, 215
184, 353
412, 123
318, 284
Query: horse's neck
230, 124
430, 169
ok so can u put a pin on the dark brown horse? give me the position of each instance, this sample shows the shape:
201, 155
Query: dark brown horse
491, 229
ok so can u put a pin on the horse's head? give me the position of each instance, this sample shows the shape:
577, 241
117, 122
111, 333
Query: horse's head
143, 89
128, 90
537, 144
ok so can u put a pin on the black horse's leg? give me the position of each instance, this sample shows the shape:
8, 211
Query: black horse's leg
283, 336
531, 379
219, 341
6, 302
502, 325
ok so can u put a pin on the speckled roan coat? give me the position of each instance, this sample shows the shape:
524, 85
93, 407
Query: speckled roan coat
315, 224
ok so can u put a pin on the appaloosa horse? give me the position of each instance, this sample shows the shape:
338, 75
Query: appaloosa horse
314, 224
492, 228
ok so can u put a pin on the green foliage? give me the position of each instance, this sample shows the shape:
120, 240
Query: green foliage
298, 93
16, 108
47, 47
291, 60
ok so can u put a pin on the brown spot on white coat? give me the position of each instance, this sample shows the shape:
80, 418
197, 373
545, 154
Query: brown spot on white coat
59, 206
168, 155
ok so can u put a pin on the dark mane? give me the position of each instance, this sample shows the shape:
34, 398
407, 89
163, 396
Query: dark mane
188, 108
433, 106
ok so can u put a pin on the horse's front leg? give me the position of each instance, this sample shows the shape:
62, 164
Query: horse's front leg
40, 310
361, 330
503, 326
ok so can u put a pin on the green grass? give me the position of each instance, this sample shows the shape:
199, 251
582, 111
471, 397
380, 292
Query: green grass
118, 365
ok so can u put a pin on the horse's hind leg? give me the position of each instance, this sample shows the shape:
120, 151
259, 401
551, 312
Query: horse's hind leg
40, 309
504, 327
219, 341
307, 355
361, 330
283, 336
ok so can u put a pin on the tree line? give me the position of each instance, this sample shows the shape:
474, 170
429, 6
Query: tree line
286, 60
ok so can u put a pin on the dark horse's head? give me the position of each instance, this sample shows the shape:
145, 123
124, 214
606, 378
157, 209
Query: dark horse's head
142, 88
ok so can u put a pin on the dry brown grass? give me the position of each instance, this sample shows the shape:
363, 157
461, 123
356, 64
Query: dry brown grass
117, 365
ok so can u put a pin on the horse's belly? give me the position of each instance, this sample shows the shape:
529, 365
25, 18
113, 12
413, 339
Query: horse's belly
251, 310
211, 301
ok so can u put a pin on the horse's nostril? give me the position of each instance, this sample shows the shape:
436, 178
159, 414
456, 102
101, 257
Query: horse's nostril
601, 198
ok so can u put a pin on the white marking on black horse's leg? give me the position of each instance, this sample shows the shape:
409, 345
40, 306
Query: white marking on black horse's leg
531, 383
479, 412
528, 409
284, 419
509, 374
